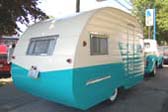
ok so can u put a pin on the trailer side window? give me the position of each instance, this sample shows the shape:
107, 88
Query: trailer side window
98, 45
42, 45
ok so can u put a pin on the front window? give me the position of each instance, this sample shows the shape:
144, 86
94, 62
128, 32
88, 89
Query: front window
42, 45
98, 44
147, 45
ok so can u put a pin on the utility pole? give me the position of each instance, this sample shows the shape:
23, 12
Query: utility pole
77, 6
149, 32
154, 24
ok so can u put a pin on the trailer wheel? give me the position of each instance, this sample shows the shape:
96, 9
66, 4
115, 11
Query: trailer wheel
114, 96
153, 73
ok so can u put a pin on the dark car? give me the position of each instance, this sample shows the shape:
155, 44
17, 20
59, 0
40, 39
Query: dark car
165, 54
165, 58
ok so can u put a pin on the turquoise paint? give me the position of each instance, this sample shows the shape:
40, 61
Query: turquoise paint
153, 61
95, 93
69, 86
160, 60
54, 85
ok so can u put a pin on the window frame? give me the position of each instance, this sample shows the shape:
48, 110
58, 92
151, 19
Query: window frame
43, 38
99, 51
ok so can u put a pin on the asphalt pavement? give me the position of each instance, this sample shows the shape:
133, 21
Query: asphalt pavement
151, 95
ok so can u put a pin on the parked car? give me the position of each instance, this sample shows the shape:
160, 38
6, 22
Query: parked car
4, 65
153, 58
165, 54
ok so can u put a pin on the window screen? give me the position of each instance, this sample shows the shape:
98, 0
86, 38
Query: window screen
42, 45
99, 45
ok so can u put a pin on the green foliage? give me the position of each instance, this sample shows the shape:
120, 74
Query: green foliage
162, 17
139, 7
23, 11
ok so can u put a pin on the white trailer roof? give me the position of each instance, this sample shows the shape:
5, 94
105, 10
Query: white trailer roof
70, 31
73, 25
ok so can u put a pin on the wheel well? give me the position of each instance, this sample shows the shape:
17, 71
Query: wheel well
156, 63
121, 88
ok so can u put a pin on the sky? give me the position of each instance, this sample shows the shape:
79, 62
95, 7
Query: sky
62, 8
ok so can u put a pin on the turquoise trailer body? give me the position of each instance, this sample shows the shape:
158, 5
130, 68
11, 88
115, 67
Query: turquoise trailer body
70, 86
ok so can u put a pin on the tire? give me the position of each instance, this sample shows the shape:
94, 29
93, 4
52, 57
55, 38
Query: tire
114, 96
153, 73
161, 65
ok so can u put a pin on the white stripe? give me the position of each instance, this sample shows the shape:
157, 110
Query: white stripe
98, 80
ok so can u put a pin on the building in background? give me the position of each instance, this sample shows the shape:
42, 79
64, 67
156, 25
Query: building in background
8, 40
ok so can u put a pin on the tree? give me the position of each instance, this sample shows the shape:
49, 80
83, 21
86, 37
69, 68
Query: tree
139, 7
13, 11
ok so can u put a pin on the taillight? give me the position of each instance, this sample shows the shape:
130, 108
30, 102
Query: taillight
34, 67
13, 57
69, 61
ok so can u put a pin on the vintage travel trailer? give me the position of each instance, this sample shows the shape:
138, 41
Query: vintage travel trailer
82, 60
